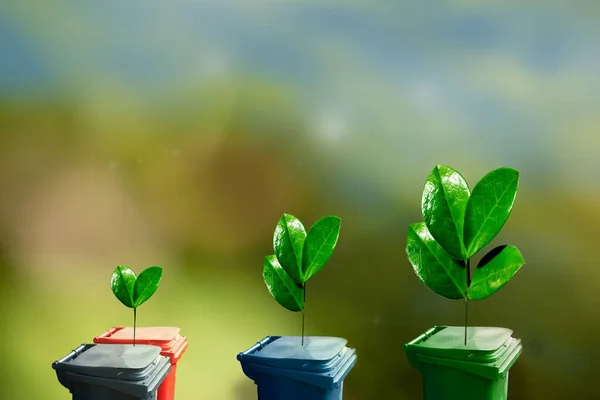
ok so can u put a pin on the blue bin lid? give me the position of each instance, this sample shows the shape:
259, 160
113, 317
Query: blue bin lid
319, 353
124, 362
328, 380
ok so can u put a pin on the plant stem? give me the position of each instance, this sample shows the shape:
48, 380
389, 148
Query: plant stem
468, 273
134, 323
303, 307
466, 317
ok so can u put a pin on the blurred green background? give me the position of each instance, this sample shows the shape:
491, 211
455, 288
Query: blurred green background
176, 133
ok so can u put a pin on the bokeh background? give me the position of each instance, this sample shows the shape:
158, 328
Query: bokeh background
176, 133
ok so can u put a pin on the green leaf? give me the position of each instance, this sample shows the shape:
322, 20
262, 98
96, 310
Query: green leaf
121, 283
443, 206
489, 207
288, 241
495, 269
319, 245
146, 284
281, 286
438, 271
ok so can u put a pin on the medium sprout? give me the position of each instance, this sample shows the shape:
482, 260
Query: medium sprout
298, 257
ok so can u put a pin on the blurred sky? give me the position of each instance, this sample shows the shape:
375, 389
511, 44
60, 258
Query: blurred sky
508, 75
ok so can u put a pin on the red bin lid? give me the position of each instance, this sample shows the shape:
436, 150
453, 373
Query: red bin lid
165, 337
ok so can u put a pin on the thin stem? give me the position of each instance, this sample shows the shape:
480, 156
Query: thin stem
466, 317
303, 308
468, 273
134, 323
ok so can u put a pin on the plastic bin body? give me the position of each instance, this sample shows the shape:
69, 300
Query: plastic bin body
280, 388
83, 391
112, 372
451, 370
282, 369
173, 345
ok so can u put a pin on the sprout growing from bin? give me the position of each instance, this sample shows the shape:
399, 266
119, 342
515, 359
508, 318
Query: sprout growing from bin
298, 257
132, 291
458, 224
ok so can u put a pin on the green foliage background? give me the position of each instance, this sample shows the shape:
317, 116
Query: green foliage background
175, 135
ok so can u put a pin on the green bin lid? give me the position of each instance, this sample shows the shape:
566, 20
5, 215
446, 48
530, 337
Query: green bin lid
484, 344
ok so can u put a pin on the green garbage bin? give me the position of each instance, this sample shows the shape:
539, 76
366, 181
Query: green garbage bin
475, 371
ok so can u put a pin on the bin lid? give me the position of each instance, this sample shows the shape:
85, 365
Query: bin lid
155, 335
484, 344
321, 379
119, 361
319, 353
166, 337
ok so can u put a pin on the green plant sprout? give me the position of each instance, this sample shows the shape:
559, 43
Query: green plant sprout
457, 224
132, 291
298, 257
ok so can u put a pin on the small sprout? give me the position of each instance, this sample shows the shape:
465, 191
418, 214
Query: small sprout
458, 224
298, 257
132, 291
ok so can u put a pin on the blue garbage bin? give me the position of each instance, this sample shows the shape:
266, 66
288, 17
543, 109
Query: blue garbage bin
283, 369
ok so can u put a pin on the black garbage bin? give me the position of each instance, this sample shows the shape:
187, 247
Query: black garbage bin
113, 371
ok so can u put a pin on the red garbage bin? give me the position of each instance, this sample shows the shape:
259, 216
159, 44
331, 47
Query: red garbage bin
173, 345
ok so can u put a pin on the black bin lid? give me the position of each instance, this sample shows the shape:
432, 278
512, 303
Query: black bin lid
119, 361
